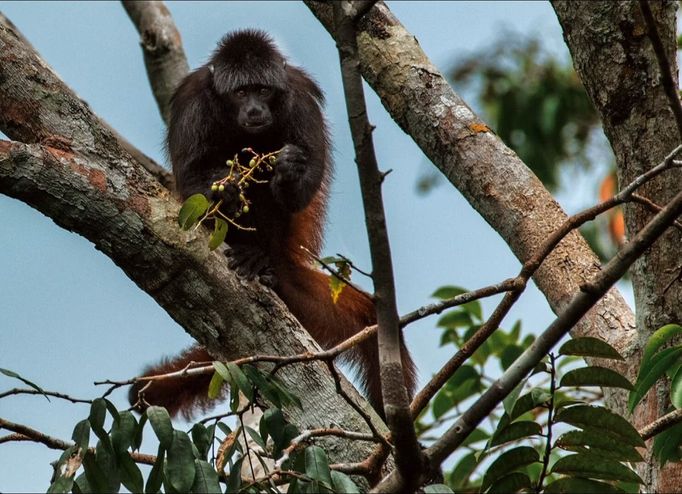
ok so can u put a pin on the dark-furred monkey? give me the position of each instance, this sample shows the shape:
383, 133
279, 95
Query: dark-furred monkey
249, 96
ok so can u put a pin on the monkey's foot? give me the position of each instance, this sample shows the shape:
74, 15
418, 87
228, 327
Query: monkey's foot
251, 263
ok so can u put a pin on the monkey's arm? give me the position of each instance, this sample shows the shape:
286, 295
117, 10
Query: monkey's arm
303, 165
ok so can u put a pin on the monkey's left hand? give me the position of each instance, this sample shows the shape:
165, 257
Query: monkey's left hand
288, 184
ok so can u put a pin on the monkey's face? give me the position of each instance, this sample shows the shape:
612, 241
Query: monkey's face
254, 108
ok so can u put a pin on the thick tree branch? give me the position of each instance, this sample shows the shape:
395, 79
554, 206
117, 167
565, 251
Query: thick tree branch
489, 175
164, 56
394, 392
35, 114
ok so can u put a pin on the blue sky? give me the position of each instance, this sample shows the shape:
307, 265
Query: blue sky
70, 316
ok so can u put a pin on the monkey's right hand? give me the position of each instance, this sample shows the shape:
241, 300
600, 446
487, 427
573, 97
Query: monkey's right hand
251, 263
229, 195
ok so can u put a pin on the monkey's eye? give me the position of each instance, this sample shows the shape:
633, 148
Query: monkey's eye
265, 91
240, 93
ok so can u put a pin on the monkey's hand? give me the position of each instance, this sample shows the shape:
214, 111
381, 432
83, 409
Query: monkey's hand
251, 263
290, 184
229, 195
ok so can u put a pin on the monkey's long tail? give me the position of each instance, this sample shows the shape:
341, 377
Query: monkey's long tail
185, 395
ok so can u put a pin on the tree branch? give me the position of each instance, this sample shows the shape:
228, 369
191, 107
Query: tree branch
395, 396
164, 56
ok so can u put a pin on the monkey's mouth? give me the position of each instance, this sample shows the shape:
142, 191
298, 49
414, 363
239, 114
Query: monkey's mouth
256, 125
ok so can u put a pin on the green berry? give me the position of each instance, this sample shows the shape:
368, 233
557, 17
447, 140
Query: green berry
245, 209
252, 163
272, 159
230, 162
221, 187
214, 187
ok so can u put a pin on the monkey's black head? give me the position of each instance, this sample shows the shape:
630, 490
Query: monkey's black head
249, 74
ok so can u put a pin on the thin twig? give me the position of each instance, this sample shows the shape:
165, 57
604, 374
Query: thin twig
22, 391
661, 424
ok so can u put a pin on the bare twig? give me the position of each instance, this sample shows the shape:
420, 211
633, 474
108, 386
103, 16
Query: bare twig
651, 206
307, 435
661, 424
332, 271
22, 391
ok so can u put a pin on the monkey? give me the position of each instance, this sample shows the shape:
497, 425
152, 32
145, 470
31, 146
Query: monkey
249, 96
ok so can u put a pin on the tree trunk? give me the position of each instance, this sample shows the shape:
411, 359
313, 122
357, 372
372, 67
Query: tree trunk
614, 57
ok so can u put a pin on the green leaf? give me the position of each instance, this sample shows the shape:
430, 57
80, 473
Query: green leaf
462, 471
516, 430
529, 401
98, 412
95, 475
342, 483
234, 481
139, 433
595, 376
435, 489
201, 439
588, 346
33, 385
180, 468
571, 485
586, 417
161, 423
267, 390
155, 479
514, 482
456, 318
123, 431
218, 235
81, 483
448, 292
650, 372
668, 445
192, 209
215, 385
131, 477
256, 437
658, 339
599, 442
206, 479
507, 462
317, 465
442, 403
81, 435
240, 378
62, 485
509, 355
593, 466
510, 401
476, 436
676, 389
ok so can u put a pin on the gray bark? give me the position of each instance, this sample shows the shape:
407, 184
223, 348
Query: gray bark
616, 62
